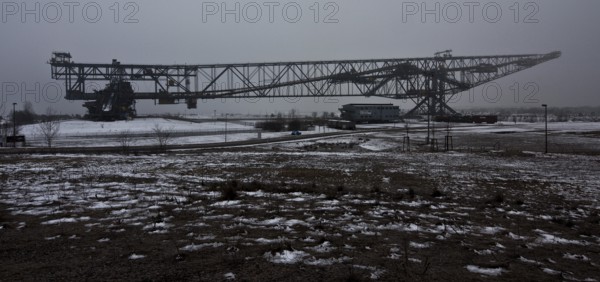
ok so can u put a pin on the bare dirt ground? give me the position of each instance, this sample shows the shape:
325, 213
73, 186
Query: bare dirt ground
347, 209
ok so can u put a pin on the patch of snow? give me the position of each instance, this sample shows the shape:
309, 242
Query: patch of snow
394, 256
226, 204
299, 199
419, 245
293, 222
205, 238
267, 241
194, 247
157, 226
530, 261
273, 221
516, 237
576, 257
257, 194
550, 271
375, 273
286, 257
100, 206
552, 239
325, 262
485, 271
60, 220
484, 252
326, 247
135, 256
378, 145
491, 230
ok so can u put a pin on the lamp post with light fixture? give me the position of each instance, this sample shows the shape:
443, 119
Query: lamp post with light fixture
546, 130
14, 125
226, 127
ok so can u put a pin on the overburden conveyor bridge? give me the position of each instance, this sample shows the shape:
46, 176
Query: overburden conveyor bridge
429, 82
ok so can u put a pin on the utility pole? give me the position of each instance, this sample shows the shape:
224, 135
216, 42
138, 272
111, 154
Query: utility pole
546, 130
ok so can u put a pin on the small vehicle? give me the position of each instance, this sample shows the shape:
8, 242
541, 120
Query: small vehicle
296, 133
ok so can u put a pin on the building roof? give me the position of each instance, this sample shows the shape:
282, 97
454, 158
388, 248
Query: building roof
390, 104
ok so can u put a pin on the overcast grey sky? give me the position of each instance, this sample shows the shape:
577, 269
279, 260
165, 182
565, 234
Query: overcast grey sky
193, 32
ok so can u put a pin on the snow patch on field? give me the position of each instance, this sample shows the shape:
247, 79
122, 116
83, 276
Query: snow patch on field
286, 257
194, 247
546, 238
378, 145
138, 125
65, 220
136, 257
485, 271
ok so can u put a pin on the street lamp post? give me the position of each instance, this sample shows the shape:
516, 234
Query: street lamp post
14, 124
226, 128
546, 129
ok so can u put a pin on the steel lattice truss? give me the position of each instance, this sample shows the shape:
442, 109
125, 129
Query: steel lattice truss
429, 82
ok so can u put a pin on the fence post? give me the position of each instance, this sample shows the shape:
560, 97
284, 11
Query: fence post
449, 143
434, 145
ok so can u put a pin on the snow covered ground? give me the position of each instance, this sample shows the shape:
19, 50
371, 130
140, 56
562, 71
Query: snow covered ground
553, 127
78, 133
140, 125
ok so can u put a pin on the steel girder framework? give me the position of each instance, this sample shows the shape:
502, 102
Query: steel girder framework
429, 82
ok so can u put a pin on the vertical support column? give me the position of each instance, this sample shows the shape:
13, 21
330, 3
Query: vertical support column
449, 143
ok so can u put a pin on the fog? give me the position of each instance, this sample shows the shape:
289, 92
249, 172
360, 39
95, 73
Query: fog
195, 32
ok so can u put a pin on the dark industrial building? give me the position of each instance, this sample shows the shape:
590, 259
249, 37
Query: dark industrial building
370, 113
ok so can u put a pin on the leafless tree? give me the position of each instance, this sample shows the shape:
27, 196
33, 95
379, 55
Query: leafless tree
28, 107
3, 132
49, 127
125, 139
293, 113
27, 116
162, 136
4, 129
8, 127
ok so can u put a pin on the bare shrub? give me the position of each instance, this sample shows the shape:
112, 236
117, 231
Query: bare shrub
499, 198
229, 190
125, 140
436, 193
162, 135
49, 127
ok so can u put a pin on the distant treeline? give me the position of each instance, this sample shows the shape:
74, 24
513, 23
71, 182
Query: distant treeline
590, 111
277, 125
27, 116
